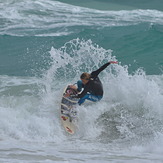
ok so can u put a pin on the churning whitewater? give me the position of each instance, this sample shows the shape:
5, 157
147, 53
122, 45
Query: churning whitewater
45, 45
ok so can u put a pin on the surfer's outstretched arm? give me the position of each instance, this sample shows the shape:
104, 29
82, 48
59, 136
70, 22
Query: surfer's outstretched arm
96, 73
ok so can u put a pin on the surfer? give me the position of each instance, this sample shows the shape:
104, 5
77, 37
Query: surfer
93, 89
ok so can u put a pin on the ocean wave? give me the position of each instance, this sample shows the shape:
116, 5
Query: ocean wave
130, 110
38, 18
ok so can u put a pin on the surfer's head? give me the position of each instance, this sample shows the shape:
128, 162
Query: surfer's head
85, 77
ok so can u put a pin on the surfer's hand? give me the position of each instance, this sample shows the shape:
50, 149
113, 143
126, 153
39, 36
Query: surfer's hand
113, 62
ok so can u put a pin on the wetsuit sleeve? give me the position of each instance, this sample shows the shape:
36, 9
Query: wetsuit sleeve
95, 73
84, 92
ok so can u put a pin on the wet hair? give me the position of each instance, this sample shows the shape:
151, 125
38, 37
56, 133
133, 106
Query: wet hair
85, 76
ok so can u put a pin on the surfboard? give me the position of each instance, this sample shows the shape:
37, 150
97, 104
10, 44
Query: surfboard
68, 110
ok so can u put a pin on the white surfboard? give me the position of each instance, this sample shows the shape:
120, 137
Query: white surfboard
68, 111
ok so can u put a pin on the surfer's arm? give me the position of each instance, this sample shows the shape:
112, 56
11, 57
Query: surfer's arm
82, 94
80, 85
96, 73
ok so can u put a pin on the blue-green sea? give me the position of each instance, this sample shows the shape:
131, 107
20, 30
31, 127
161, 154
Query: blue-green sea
47, 44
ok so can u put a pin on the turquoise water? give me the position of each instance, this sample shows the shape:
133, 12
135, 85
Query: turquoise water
117, 4
28, 33
44, 45
135, 45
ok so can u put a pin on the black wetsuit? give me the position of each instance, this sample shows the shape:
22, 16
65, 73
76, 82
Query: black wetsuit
94, 85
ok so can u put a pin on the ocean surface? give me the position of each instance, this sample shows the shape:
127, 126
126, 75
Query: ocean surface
47, 44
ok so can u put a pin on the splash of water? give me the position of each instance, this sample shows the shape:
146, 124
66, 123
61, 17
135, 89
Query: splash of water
130, 110
130, 100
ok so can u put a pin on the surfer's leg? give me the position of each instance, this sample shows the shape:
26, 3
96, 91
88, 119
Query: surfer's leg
90, 98
94, 98
82, 99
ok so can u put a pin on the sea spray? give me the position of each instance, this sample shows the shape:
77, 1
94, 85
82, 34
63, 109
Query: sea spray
130, 100
40, 55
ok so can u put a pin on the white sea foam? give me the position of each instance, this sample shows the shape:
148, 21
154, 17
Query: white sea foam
34, 18
128, 117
